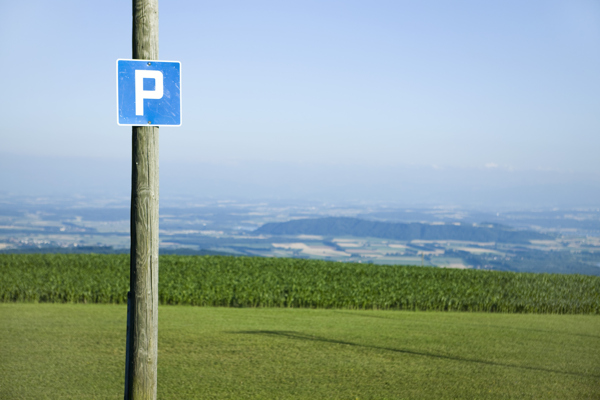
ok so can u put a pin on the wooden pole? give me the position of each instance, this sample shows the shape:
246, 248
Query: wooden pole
140, 380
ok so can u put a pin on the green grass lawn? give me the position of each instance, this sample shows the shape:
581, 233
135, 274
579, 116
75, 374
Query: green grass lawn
65, 351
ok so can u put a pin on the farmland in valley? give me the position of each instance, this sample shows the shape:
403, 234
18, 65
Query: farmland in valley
557, 241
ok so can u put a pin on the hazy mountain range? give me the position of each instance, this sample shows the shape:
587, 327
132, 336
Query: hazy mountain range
344, 226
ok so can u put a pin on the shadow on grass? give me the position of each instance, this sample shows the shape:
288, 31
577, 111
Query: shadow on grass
535, 330
364, 315
301, 336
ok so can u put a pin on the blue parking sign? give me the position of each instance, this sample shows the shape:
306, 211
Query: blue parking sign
148, 93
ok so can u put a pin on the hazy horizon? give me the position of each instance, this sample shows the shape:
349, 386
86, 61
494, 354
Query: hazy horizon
483, 188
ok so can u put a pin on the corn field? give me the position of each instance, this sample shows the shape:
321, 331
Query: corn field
279, 282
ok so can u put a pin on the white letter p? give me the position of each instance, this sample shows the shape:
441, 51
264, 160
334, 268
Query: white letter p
141, 94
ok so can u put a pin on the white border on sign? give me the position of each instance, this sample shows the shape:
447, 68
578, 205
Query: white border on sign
180, 92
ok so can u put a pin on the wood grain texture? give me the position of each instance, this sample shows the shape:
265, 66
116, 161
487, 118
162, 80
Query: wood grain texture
144, 264
145, 30
143, 349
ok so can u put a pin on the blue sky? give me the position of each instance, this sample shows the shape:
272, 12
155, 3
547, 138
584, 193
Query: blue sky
507, 86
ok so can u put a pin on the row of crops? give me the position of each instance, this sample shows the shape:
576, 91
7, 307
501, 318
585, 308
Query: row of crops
278, 282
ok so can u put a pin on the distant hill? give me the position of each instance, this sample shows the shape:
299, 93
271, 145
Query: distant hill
343, 226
